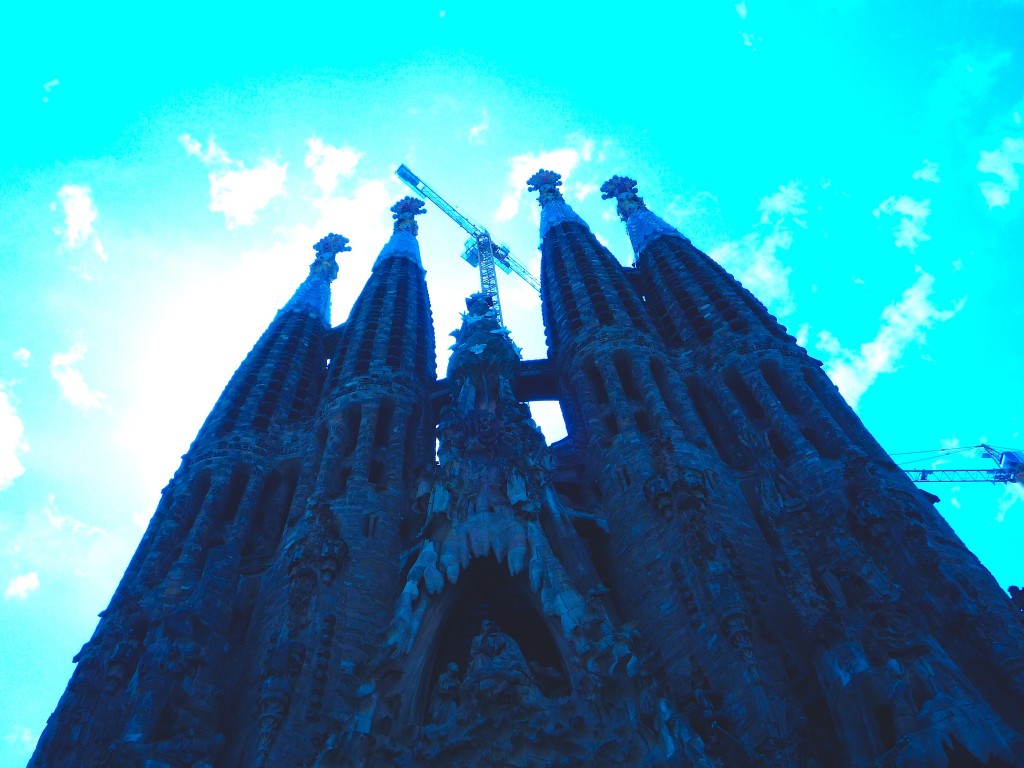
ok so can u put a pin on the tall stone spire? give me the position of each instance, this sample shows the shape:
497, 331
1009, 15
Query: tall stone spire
313, 296
403, 243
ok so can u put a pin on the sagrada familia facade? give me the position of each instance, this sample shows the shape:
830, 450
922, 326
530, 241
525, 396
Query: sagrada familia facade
719, 567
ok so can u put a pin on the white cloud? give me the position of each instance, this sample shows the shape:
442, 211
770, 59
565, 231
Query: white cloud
79, 215
754, 259
903, 323
238, 192
802, 333
476, 133
21, 586
1002, 162
328, 163
929, 172
785, 202
1013, 494
741, 10
22, 357
49, 86
66, 522
750, 40
582, 191
12, 443
564, 161
913, 215
72, 383
20, 735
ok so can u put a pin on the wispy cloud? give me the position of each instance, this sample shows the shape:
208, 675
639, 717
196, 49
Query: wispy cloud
79, 215
903, 323
72, 383
49, 86
329, 163
913, 215
928, 172
1013, 494
1003, 162
582, 191
238, 192
564, 161
22, 357
12, 440
476, 133
755, 259
66, 523
20, 735
741, 10
21, 586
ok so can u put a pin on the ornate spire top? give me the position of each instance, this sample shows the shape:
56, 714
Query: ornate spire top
641, 224
623, 189
326, 250
332, 244
403, 243
313, 296
405, 212
547, 184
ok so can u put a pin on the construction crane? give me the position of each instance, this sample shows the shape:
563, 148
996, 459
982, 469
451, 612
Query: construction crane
481, 251
1010, 469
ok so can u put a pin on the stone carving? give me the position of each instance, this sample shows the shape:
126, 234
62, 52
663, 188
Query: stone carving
623, 189
710, 598
547, 184
405, 211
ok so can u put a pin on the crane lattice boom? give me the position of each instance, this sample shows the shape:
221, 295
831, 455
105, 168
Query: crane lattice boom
1010, 470
481, 251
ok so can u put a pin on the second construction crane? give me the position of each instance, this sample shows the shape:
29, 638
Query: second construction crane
481, 251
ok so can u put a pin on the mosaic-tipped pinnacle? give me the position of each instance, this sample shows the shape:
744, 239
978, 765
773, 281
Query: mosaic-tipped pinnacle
618, 185
405, 212
332, 244
408, 206
543, 178
623, 189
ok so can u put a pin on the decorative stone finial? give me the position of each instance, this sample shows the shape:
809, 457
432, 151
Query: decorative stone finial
326, 250
405, 212
623, 189
332, 244
547, 184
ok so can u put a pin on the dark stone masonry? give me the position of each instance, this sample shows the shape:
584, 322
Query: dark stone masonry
718, 567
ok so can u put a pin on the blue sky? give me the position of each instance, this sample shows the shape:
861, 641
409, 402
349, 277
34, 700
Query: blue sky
165, 172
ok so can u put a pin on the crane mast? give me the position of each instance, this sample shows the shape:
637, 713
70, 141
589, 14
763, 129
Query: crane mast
481, 251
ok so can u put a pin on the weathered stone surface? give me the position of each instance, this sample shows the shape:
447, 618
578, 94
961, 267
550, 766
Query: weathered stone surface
718, 567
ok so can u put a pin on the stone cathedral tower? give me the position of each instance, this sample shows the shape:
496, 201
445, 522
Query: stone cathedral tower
718, 567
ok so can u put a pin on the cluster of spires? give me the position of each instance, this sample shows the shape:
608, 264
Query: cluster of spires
308, 585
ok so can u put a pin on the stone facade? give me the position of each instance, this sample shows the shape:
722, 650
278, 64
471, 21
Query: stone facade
718, 567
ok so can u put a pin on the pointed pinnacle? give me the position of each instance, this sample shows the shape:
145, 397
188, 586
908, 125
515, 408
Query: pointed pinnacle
623, 189
332, 244
405, 212
547, 184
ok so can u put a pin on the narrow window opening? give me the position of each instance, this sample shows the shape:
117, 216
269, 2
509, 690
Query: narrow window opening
596, 382
624, 368
743, 395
